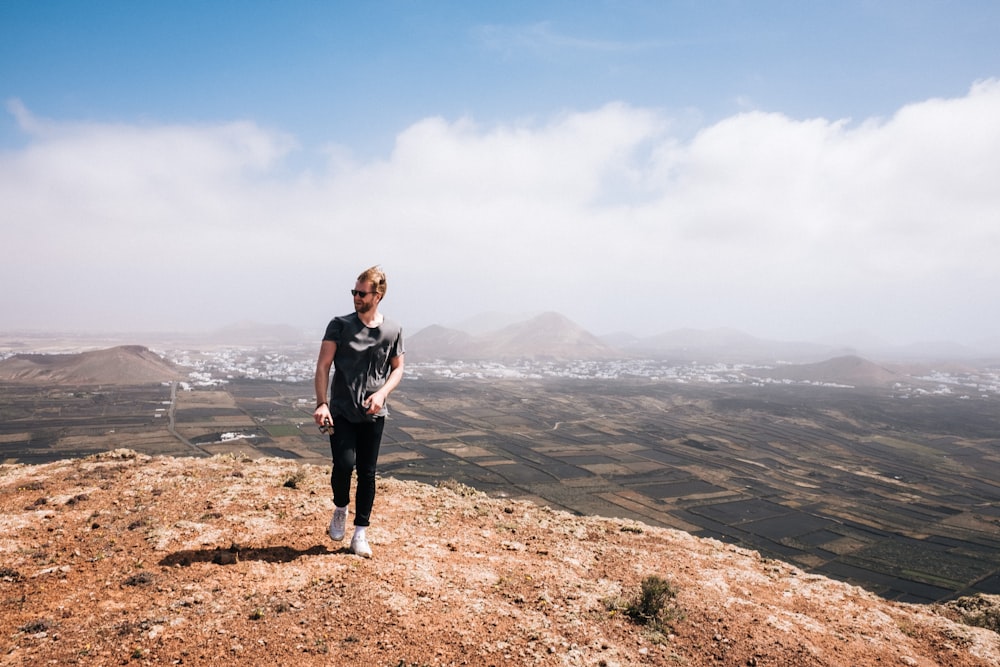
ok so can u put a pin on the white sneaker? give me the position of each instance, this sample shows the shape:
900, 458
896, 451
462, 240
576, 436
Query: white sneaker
338, 524
359, 546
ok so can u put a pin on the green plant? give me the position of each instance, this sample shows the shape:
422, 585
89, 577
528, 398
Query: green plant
654, 605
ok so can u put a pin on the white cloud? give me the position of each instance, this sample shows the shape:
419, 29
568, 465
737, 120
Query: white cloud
779, 226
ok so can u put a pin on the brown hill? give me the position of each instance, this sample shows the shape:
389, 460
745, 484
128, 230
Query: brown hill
125, 364
121, 559
847, 370
438, 342
549, 336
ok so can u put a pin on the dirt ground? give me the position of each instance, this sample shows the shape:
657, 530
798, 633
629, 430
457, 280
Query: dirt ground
126, 559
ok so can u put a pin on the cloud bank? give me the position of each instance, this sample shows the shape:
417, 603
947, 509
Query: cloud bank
782, 227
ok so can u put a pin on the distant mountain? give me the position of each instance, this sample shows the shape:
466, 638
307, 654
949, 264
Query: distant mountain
857, 339
549, 336
849, 370
125, 364
933, 350
621, 340
729, 345
438, 342
921, 351
485, 323
553, 336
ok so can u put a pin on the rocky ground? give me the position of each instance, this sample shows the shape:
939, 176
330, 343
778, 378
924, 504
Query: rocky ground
126, 559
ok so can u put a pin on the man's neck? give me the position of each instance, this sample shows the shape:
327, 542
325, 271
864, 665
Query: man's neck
372, 318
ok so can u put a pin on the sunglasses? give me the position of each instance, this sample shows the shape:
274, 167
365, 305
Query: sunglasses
357, 292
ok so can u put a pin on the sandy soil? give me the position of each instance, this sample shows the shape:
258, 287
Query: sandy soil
126, 559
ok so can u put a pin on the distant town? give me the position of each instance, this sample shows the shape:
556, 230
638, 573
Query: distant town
216, 367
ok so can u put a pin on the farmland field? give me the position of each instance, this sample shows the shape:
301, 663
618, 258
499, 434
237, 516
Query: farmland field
897, 495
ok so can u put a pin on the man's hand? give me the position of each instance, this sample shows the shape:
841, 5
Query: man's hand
375, 403
321, 415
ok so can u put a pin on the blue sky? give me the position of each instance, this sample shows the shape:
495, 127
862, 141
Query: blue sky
792, 169
356, 73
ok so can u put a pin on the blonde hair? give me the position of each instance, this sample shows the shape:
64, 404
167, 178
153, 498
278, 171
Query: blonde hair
376, 277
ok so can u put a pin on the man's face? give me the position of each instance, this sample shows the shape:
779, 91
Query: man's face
366, 302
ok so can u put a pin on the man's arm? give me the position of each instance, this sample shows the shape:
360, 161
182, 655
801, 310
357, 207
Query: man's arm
377, 400
322, 381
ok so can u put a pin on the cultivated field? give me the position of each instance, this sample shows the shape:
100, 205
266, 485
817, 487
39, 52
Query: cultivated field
899, 495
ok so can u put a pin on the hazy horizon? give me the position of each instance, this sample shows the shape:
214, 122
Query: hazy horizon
486, 324
792, 171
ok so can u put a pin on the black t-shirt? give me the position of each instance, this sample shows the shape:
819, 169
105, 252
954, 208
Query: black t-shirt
361, 363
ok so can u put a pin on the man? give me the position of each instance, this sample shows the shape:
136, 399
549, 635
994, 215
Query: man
366, 352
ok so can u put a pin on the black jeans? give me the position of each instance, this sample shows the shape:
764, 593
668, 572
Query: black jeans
355, 446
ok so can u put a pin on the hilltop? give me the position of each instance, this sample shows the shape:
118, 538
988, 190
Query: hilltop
121, 365
122, 558
847, 370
